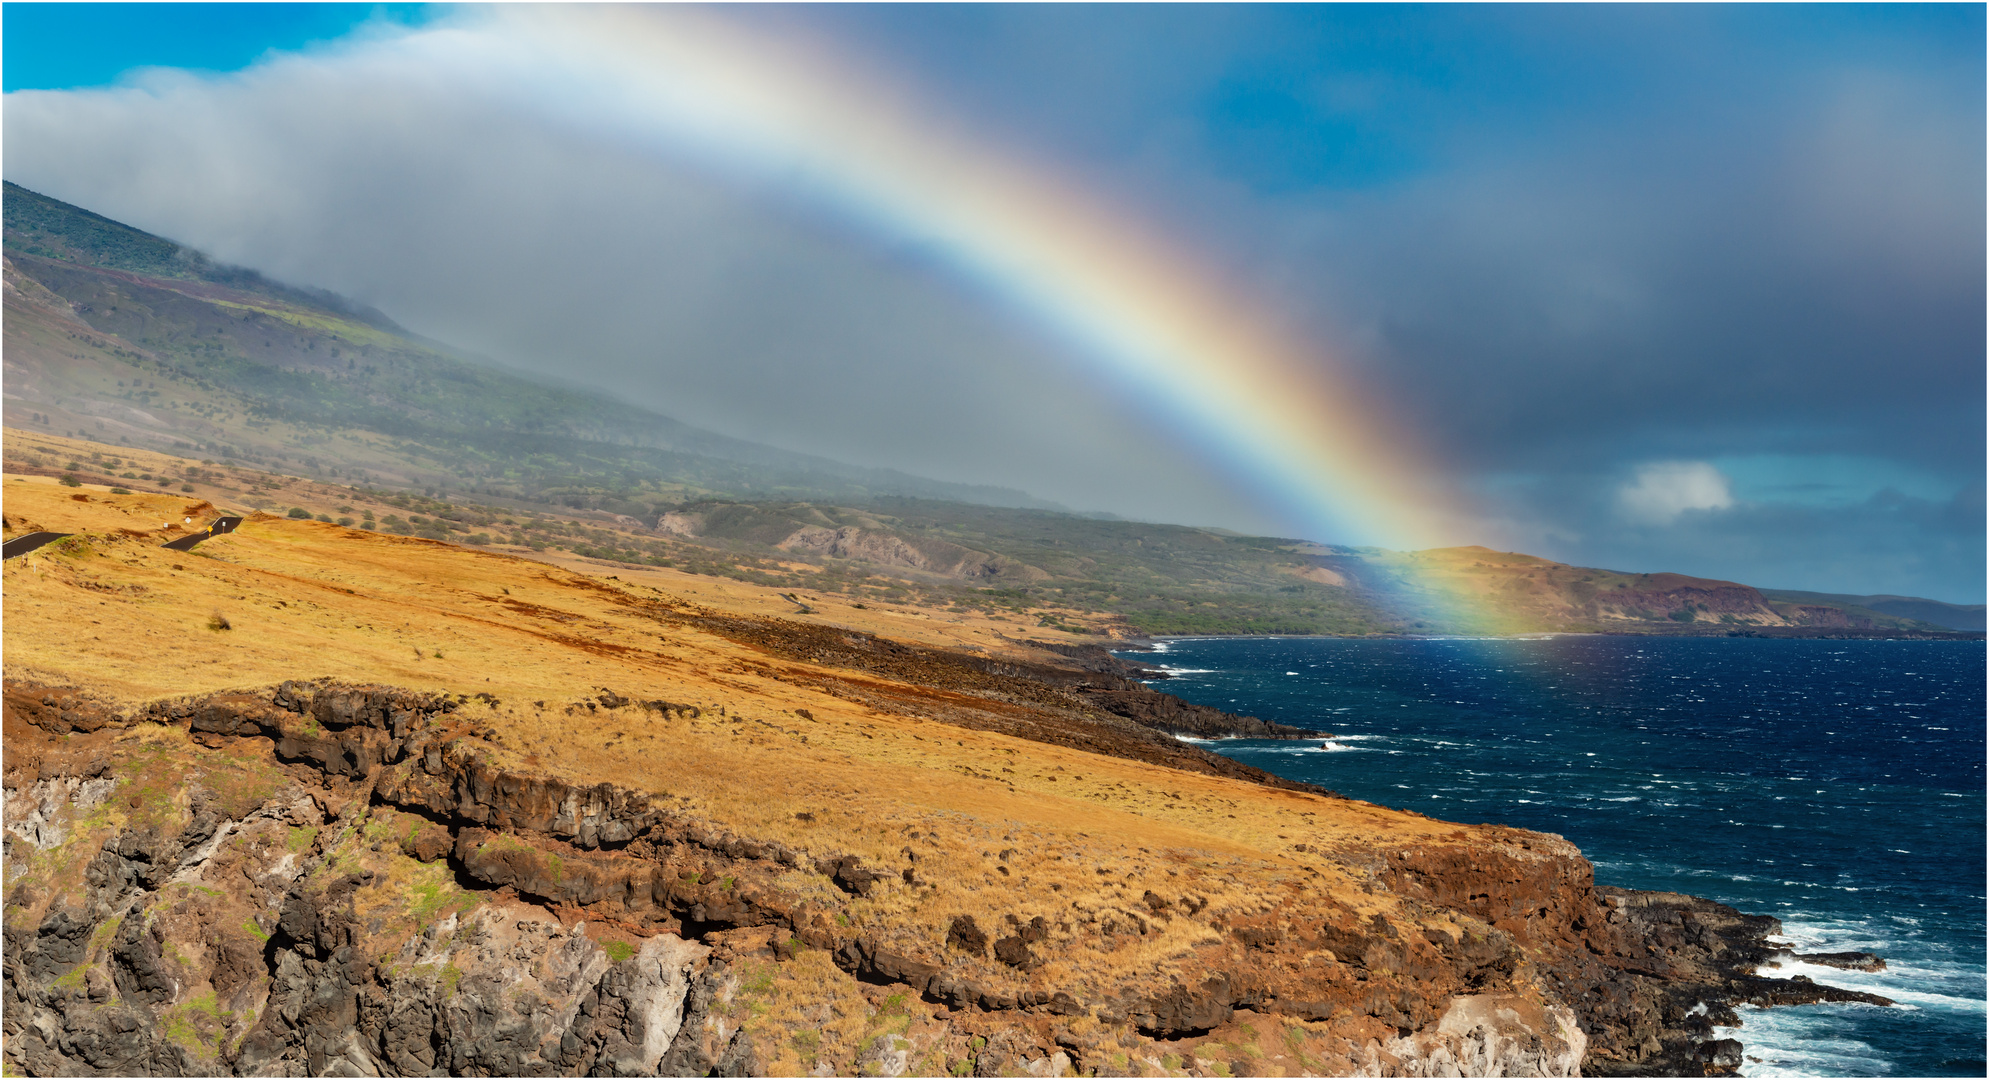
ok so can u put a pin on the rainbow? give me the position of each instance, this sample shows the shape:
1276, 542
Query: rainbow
1271, 410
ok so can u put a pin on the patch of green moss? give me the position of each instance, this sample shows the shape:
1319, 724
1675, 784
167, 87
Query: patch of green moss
434, 891
104, 934
73, 980
558, 868
300, 839
251, 927
196, 1024
618, 951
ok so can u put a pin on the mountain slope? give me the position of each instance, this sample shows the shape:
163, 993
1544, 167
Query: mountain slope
1932, 612
116, 335
129, 336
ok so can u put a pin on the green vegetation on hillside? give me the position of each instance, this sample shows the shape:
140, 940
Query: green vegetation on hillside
266, 373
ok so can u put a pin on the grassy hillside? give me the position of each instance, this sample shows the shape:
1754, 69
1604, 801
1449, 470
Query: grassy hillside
128, 336
1931, 612
258, 391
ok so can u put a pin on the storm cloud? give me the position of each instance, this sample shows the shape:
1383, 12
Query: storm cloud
1693, 290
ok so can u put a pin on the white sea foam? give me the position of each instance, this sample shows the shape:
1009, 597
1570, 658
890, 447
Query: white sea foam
1799, 1042
1902, 981
1310, 747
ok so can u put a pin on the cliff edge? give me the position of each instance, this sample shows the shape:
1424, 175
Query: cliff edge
523, 820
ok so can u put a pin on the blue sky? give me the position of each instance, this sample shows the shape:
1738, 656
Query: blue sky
60, 46
1568, 245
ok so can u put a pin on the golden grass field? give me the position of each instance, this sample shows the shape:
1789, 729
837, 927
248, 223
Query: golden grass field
998, 825
303, 599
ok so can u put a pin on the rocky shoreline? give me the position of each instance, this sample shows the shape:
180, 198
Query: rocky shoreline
371, 896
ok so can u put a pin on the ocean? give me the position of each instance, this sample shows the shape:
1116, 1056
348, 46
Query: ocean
1837, 785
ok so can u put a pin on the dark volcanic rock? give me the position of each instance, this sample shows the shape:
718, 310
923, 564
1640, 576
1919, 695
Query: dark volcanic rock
964, 934
272, 895
1014, 952
1665, 955
1849, 961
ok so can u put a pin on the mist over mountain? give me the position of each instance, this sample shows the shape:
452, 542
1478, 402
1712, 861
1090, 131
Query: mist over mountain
120, 336
300, 377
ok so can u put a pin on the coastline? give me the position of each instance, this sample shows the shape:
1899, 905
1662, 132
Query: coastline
1706, 826
636, 803
1793, 633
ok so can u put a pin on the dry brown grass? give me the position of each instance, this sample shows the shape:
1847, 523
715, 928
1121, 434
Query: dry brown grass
1081, 837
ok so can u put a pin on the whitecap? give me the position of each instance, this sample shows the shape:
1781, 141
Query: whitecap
1901, 982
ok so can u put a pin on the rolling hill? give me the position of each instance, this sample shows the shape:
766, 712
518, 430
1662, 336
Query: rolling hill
115, 338
116, 334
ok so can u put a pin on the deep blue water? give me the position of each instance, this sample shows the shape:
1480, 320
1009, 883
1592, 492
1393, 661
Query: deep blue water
1837, 785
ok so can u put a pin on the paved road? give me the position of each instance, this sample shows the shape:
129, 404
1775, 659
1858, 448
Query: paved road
21, 545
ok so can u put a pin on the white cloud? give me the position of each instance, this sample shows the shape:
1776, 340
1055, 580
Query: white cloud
1662, 491
425, 174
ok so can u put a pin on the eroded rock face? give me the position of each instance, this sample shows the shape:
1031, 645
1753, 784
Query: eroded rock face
325, 879
1494, 1035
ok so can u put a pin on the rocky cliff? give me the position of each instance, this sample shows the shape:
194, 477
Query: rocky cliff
330, 879
530, 820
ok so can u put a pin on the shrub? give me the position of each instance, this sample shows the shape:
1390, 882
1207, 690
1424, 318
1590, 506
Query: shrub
186, 487
345, 521
300, 513
69, 480
218, 621
120, 491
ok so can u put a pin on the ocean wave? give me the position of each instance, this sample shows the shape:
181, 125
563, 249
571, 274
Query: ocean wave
1802, 1042
1902, 983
